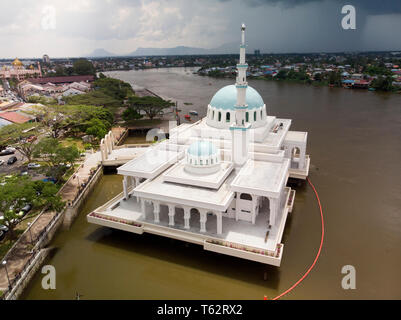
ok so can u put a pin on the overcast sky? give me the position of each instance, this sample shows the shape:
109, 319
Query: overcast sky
77, 27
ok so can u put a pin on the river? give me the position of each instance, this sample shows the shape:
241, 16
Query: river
355, 146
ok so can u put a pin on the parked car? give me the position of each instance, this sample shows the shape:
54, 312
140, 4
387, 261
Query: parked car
49, 180
12, 160
11, 149
23, 212
6, 152
3, 231
1, 162
33, 165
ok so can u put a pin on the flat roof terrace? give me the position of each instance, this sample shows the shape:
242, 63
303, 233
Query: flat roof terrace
262, 178
239, 238
188, 195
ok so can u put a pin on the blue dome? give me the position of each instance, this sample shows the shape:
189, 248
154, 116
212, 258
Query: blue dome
226, 98
202, 148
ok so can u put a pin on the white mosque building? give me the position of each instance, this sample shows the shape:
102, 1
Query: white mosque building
220, 182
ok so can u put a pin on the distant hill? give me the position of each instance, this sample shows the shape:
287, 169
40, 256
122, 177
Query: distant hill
182, 50
227, 48
99, 53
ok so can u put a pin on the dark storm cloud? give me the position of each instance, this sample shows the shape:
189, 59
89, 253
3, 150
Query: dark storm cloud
371, 7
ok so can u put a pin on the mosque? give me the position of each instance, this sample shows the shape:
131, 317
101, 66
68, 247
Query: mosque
18, 71
220, 182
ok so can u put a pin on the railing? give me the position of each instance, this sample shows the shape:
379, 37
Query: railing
237, 246
38, 238
35, 251
119, 220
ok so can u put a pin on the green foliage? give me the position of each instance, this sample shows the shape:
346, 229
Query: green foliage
19, 191
383, 83
83, 67
152, 106
18, 134
42, 100
96, 127
335, 79
74, 119
55, 156
108, 92
131, 114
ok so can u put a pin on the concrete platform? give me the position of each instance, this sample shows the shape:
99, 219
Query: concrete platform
239, 238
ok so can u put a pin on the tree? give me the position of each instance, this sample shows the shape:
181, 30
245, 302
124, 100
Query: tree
18, 191
83, 67
335, 78
383, 83
72, 119
19, 135
152, 106
96, 127
131, 114
56, 157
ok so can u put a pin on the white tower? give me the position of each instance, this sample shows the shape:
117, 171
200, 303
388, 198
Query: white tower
239, 130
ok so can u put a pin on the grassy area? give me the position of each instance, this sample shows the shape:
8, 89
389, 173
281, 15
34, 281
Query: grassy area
135, 140
143, 123
6, 244
67, 142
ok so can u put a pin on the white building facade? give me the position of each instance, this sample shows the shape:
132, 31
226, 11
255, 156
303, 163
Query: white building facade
220, 182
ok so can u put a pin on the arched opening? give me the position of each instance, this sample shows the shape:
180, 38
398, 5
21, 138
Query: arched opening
247, 116
219, 116
246, 196
228, 117
194, 221
163, 215
261, 114
179, 217
213, 115
254, 116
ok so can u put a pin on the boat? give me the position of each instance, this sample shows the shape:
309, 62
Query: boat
193, 112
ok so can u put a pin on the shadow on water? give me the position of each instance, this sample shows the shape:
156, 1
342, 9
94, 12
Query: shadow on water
188, 255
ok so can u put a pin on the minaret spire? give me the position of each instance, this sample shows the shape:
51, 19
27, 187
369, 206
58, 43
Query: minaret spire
239, 129
241, 83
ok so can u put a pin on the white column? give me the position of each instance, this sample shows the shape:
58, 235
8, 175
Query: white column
273, 210
102, 150
143, 206
254, 204
187, 217
125, 186
203, 219
219, 216
171, 213
156, 211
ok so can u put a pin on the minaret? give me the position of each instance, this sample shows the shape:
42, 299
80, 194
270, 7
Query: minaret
240, 138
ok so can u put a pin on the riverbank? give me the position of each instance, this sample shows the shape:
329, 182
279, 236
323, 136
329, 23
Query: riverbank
25, 256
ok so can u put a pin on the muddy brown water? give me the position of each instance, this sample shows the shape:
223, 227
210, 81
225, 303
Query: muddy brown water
355, 146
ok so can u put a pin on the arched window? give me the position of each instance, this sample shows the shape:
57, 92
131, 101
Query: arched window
247, 117
261, 114
190, 161
211, 161
246, 196
213, 115
201, 162
254, 116
219, 116
228, 117
207, 162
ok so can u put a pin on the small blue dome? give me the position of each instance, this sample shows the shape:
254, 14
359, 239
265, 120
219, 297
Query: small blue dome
226, 98
202, 148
